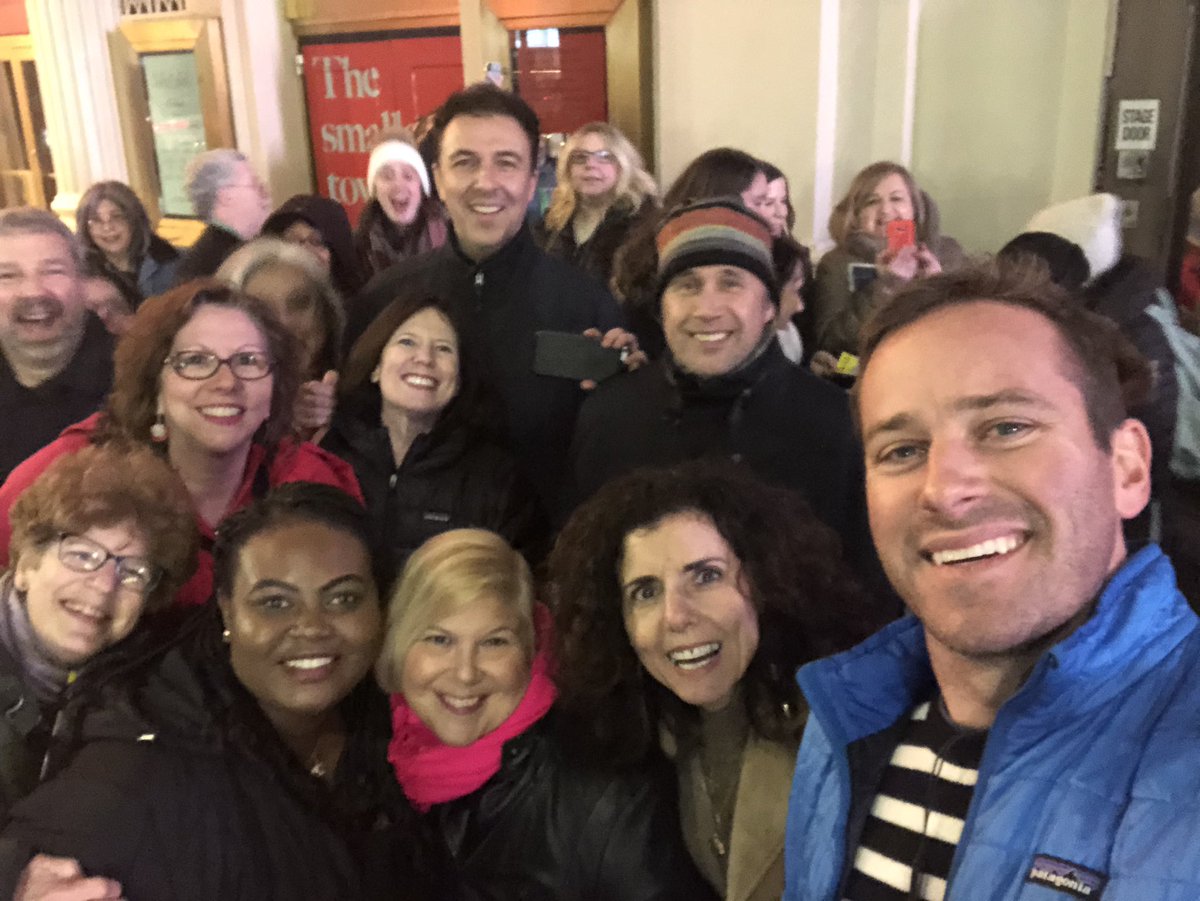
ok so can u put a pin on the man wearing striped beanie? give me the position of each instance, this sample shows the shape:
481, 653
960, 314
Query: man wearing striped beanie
724, 388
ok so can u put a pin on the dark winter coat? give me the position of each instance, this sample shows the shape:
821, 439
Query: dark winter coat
510, 296
787, 425
547, 828
205, 257
447, 481
155, 272
24, 734
1124, 294
595, 255
34, 417
380, 243
173, 783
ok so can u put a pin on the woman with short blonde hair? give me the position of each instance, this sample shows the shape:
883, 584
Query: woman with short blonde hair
477, 750
443, 577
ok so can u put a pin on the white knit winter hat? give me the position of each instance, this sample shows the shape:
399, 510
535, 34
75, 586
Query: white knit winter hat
396, 152
1093, 223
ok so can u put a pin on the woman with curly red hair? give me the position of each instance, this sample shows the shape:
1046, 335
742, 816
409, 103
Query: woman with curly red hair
685, 600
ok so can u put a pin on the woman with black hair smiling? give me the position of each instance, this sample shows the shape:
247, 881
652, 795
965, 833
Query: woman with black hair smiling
686, 598
419, 423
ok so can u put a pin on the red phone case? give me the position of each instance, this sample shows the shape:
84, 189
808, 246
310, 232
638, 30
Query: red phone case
900, 234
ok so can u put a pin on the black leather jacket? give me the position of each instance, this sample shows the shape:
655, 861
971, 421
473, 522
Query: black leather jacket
548, 827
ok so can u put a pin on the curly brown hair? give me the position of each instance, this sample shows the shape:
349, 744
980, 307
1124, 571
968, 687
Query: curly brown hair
808, 604
141, 352
105, 485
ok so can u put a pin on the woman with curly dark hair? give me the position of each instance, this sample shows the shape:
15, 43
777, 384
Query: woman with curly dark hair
207, 376
686, 598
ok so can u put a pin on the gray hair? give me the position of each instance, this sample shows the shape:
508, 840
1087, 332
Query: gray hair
245, 262
261, 253
27, 220
207, 174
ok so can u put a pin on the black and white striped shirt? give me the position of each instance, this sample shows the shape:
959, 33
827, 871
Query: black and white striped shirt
917, 817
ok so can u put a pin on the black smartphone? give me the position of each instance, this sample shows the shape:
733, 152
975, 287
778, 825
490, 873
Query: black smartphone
567, 355
860, 275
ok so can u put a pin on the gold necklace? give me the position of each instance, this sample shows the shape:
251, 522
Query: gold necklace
715, 841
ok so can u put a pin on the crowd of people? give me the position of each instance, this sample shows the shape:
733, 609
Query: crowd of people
612, 553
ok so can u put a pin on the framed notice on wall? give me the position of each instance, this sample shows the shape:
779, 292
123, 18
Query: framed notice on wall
176, 123
173, 91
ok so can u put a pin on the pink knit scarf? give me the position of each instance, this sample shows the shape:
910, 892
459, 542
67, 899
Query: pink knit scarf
431, 772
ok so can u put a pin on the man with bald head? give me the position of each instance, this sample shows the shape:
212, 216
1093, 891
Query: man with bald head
1032, 731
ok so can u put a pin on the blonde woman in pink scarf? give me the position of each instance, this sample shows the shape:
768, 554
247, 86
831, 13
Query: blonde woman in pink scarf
476, 749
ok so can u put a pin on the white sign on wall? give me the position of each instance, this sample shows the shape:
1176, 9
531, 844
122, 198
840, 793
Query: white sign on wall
1137, 125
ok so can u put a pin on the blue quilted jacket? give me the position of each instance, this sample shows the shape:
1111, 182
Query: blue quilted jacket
1090, 783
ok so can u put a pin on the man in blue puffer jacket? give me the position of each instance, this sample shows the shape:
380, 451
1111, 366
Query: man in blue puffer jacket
1033, 731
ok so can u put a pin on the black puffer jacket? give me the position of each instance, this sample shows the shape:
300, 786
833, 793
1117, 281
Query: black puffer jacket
170, 783
509, 297
547, 828
447, 481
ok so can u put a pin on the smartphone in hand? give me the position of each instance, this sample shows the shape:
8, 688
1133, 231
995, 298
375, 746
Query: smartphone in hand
570, 356
901, 233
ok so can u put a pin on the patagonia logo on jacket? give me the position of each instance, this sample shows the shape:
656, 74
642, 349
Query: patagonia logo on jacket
1066, 877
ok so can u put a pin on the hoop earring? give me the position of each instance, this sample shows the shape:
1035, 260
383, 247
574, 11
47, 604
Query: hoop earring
158, 431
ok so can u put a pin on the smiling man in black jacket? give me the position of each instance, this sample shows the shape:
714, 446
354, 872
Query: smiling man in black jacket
485, 172
724, 388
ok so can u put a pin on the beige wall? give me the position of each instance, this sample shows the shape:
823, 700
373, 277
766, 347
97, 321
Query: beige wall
996, 106
741, 74
267, 95
1007, 110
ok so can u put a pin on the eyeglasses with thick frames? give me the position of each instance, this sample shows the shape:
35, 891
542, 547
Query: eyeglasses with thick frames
82, 555
581, 157
247, 365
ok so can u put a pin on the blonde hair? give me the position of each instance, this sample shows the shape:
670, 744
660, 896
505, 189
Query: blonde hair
634, 183
445, 574
843, 221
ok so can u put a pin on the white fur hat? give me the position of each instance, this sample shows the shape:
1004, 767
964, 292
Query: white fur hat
396, 152
1093, 223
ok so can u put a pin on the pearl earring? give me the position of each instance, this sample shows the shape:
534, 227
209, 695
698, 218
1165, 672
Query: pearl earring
158, 431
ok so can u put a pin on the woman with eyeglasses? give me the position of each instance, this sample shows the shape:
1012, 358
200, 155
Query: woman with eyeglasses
603, 191
243, 756
120, 245
208, 377
100, 538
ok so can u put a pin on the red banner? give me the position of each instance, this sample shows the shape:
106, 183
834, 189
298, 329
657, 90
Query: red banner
356, 90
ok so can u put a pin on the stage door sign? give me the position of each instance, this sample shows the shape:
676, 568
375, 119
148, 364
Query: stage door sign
356, 89
1137, 125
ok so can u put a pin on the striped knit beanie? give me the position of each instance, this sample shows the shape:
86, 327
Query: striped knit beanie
716, 232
